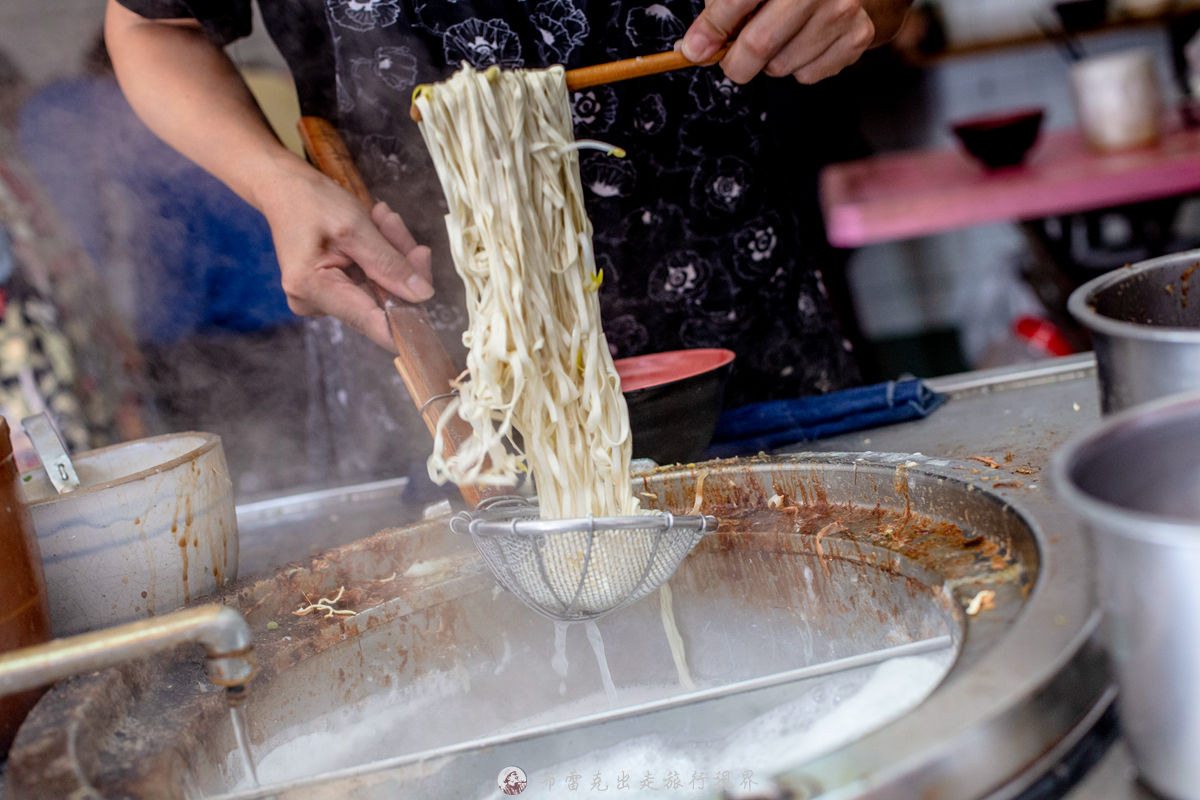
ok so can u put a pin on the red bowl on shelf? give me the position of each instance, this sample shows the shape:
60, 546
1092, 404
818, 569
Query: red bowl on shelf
1002, 139
674, 401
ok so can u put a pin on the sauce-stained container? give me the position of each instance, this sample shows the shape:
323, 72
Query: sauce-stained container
151, 527
25, 614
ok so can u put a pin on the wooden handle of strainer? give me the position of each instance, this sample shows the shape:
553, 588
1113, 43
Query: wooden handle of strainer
422, 360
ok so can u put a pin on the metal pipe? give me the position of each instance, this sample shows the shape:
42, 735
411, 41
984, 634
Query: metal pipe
221, 630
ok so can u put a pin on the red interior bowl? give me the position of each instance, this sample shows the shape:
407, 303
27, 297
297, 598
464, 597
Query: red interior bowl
674, 401
1002, 139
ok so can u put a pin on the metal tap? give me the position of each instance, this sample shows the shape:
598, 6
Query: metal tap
221, 630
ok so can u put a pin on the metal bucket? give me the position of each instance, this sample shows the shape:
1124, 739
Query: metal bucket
1135, 483
1145, 329
152, 527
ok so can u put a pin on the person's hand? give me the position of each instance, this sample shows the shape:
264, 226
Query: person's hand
319, 230
807, 39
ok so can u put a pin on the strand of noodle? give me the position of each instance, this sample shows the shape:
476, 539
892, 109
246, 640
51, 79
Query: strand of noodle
674, 639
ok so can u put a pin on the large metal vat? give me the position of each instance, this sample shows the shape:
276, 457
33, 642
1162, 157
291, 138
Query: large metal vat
797, 598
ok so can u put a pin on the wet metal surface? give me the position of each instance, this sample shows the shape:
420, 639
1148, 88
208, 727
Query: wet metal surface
840, 554
890, 539
1007, 413
1029, 412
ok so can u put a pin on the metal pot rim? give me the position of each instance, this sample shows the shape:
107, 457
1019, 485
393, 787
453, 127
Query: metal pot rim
206, 442
1137, 525
1079, 303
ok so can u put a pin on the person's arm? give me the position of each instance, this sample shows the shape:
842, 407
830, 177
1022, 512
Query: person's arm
188, 92
807, 39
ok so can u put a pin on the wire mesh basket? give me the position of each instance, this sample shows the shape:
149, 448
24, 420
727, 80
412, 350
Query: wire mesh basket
579, 569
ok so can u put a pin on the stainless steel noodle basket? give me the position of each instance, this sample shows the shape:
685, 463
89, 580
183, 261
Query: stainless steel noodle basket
578, 569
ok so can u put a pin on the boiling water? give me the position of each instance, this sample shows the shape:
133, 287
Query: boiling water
831, 712
597, 643
241, 732
559, 661
356, 736
819, 715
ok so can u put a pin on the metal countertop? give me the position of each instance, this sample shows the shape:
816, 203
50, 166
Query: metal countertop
1027, 412
1016, 417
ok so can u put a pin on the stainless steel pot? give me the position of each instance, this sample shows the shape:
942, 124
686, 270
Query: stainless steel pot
1145, 327
1135, 483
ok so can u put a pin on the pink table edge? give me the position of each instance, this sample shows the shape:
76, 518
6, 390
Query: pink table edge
904, 195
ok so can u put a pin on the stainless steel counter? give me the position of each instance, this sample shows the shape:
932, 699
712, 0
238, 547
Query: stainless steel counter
1017, 417
1013, 419
1008, 421
1024, 412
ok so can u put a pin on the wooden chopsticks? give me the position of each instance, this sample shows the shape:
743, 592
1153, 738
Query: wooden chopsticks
613, 71
636, 67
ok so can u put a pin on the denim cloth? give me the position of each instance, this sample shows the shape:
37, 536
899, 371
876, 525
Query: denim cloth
765, 426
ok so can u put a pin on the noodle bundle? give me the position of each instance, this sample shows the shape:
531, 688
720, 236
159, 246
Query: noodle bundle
538, 363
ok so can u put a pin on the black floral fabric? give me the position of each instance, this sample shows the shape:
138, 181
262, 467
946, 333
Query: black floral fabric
708, 231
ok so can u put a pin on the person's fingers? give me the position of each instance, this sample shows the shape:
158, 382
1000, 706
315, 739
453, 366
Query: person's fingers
841, 54
809, 39
715, 26
806, 47
776, 25
354, 305
839, 33
392, 226
421, 258
331, 292
384, 264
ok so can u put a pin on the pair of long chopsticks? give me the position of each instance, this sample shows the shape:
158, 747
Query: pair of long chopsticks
422, 361
613, 71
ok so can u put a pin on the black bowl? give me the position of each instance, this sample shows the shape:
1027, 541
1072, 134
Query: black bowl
674, 401
1000, 140
1081, 15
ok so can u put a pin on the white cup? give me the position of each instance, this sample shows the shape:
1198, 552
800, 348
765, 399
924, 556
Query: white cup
152, 527
1117, 99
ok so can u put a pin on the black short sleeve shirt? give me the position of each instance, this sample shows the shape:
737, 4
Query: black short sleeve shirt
709, 232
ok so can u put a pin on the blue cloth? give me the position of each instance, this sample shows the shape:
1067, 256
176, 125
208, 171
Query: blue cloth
765, 426
199, 259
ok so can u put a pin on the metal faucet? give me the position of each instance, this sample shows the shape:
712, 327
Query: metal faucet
222, 630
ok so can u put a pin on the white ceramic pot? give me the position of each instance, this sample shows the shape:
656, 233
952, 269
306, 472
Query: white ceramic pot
152, 527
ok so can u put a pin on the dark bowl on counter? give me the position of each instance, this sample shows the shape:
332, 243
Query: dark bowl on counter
1081, 15
1001, 139
674, 401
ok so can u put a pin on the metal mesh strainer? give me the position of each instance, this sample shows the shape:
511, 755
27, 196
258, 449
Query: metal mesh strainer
578, 569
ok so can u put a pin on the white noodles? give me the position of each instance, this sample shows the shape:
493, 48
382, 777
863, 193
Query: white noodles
538, 362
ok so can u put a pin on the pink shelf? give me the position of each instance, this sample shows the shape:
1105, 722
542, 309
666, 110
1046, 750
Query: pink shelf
921, 192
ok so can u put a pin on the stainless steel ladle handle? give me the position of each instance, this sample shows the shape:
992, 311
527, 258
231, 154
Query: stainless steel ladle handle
52, 452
